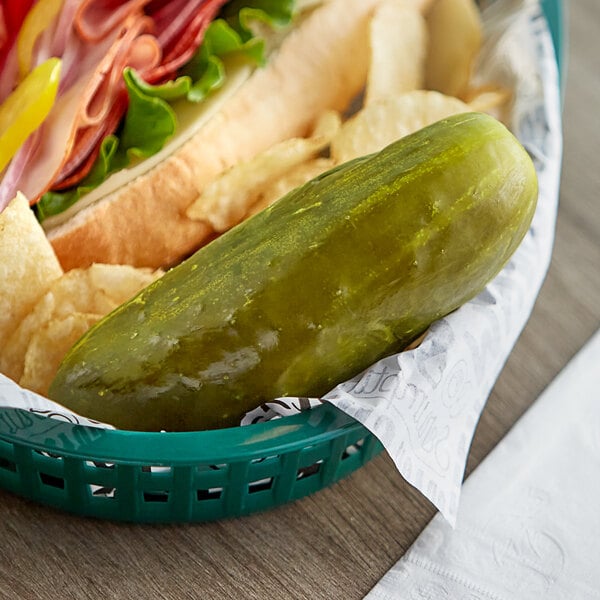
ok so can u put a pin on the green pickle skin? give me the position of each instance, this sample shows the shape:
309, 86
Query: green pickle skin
340, 272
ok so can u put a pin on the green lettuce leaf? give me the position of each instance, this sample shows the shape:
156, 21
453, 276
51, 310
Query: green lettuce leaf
149, 122
207, 70
241, 13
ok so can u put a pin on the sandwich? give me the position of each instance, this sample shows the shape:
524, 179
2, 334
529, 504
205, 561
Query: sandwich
142, 103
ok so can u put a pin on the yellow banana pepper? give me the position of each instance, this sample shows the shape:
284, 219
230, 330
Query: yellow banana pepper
27, 107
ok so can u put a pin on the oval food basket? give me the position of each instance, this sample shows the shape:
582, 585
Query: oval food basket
186, 477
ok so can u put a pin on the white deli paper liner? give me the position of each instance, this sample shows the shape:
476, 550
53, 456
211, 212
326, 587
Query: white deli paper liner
424, 404
14, 396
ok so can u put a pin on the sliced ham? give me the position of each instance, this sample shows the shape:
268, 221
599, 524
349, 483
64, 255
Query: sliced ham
86, 148
10, 72
95, 19
103, 37
88, 109
15, 169
106, 83
181, 34
63, 27
137, 48
58, 135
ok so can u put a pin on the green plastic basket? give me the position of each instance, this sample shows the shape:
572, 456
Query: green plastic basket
161, 477
198, 476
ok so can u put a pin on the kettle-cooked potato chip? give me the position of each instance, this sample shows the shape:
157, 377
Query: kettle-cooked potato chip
48, 347
226, 200
28, 265
383, 122
95, 290
12, 355
454, 40
119, 283
398, 42
294, 178
489, 99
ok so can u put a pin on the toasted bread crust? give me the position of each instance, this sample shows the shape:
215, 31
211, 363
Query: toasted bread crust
321, 65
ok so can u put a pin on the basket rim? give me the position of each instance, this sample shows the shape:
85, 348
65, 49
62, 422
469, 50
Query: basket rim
217, 446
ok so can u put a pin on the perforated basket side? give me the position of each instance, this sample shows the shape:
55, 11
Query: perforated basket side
61, 472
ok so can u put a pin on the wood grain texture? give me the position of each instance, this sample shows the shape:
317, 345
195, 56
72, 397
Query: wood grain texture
339, 542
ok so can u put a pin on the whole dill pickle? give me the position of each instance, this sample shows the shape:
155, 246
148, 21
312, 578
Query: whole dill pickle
344, 270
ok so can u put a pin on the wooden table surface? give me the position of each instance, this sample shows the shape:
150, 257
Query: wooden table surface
339, 542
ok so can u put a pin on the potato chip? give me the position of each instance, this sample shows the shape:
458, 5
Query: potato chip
98, 289
48, 347
454, 39
226, 200
13, 354
489, 99
296, 177
398, 41
120, 282
383, 122
27, 265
